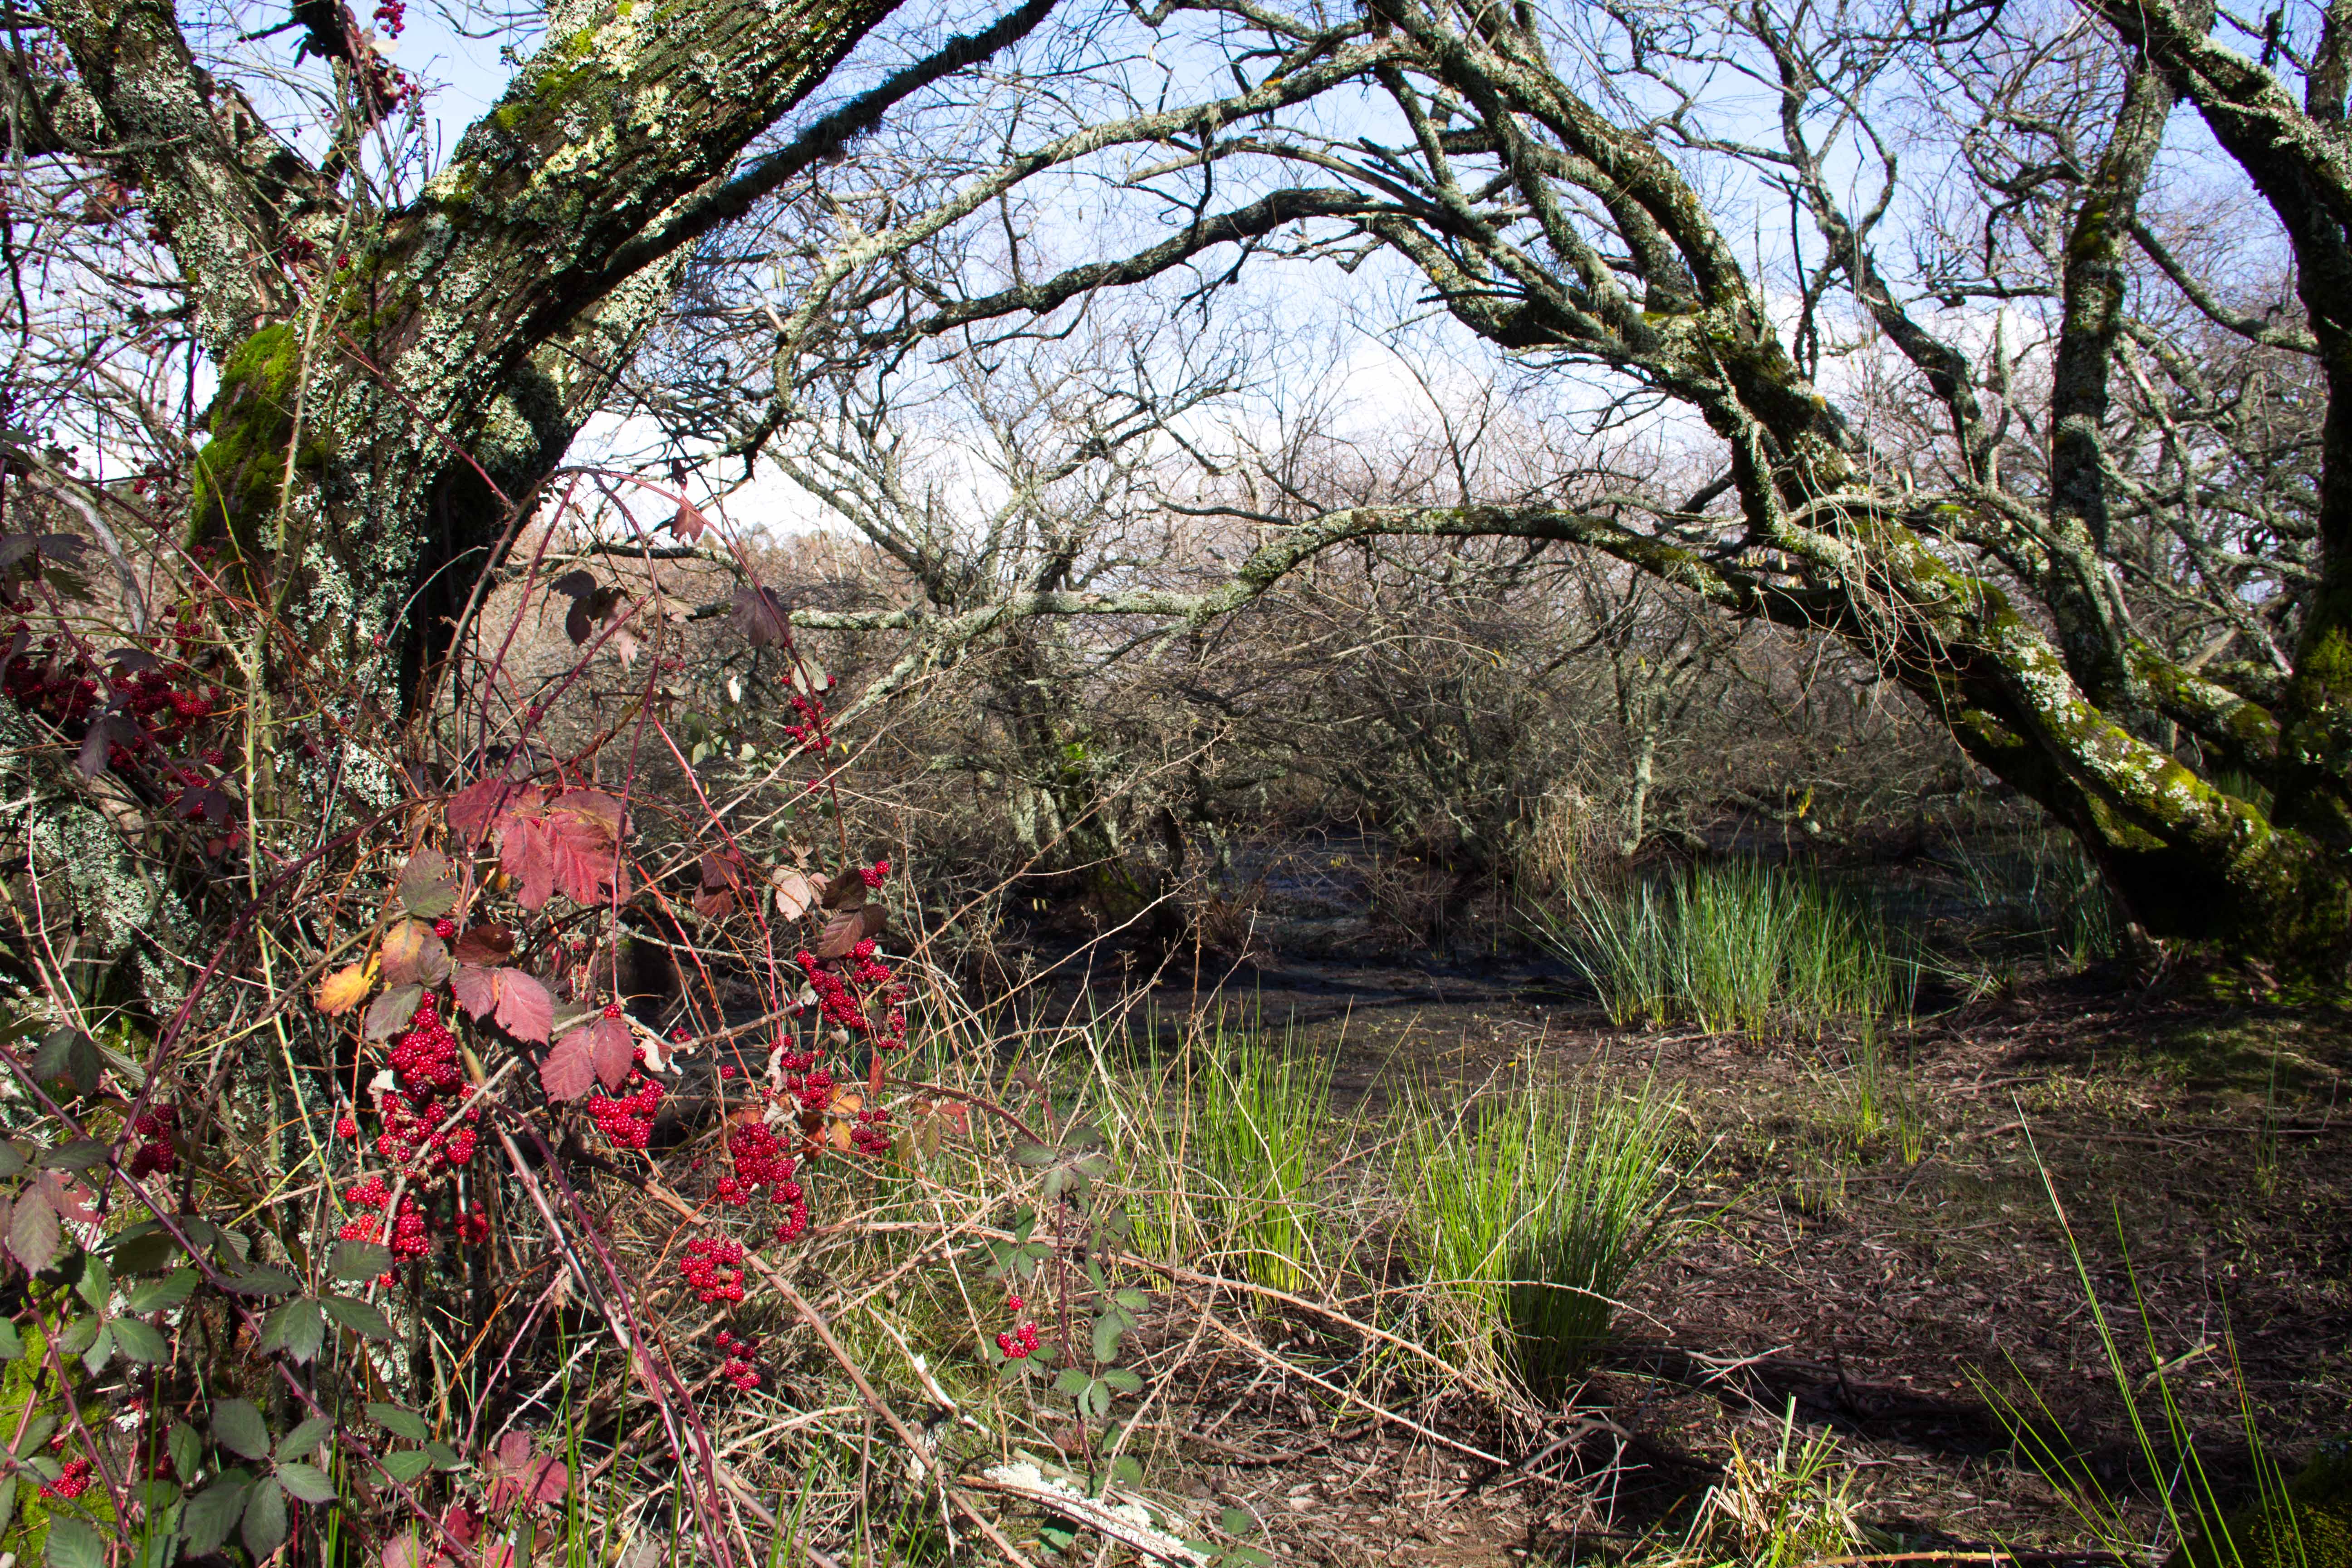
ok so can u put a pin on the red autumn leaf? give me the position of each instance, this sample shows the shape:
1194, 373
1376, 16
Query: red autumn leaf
486, 941
846, 891
843, 929
582, 830
554, 1480
522, 1003
476, 988
66, 1195
525, 855
33, 1233
525, 1009
688, 523
761, 617
474, 809
616, 1052
570, 1070
413, 954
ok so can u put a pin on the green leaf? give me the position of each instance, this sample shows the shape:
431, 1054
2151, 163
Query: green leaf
1057, 1535
361, 1260
36, 1432
141, 1342
74, 1543
265, 1520
1107, 1330
100, 1351
1235, 1521
95, 1284
1098, 1395
360, 1317
263, 1280
305, 1437
12, 1159
1095, 1275
79, 1155
406, 1465
443, 1456
1071, 1380
143, 1249
307, 1482
7, 1502
68, 1054
1035, 1156
298, 1328
151, 1295
1127, 1380
1127, 1470
185, 1449
1134, 1301
77, 1336
237, 1426
12, 1346
213, 1512
399, 1422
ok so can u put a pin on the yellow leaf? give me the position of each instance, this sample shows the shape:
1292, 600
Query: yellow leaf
341, 991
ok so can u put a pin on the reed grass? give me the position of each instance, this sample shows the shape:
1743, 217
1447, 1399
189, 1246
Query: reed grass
1732, 947
1531, 1210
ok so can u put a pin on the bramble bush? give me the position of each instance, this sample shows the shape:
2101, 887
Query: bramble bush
372, 1046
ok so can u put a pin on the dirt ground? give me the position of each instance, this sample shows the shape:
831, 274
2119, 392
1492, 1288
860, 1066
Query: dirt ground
1870, 1281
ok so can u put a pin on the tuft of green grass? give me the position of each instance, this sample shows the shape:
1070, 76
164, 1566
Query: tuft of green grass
1531, 1210
1732, 947
1878, 1104
1262, 1107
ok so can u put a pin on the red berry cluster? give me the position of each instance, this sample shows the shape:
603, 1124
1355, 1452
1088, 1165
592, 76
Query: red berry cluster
411, 1237
1019, 1344
714, 1268
390, 15
847, 990
158, 1155
445, 928
811, 731
870, 1135
739, 1369
426, 1061
151, 708
61, 691
802, 1078
628, 1120
71, 1483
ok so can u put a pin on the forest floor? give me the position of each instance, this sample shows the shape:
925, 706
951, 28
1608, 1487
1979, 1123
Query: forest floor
1869, 1256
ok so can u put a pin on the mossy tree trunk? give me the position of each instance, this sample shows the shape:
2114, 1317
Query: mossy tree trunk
392, 379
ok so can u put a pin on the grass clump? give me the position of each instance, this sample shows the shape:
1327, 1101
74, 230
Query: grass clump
1531, 1211
1732, 947
1262, 1106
